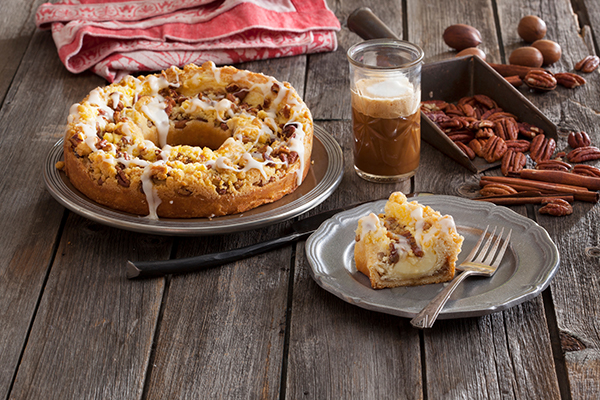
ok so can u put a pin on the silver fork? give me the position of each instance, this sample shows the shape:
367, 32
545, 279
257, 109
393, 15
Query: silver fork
479, 266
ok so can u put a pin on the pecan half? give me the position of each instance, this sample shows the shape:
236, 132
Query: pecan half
499, 114
455, 122
485, 101
541, 148
491, 111
518, 145
506, 128
484, 133
496, 189
481, 124
452, 109
493, 149
122, 178
586, 170
554, 165
477, 146
579, 139
513, 162
463, 135
466, 149
569, 80
557, 208
433, 105
588, 64
467, 110
75, 140
436, 116
581, 154
529, 131
541, 80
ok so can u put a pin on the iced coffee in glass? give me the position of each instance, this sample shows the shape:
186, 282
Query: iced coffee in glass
385, 83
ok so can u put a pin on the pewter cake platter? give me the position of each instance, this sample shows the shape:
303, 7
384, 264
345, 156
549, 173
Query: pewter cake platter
526, 270
323, 178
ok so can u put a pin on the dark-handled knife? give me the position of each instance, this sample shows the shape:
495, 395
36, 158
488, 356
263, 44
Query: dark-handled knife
302, 229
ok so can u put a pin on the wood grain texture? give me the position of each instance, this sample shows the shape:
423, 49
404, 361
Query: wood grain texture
222, 331
575, 286
94, 329
326, 358
495, 367
31, 121
16, 29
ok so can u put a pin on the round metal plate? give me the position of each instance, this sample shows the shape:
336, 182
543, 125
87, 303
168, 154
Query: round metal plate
323, 178
527, 268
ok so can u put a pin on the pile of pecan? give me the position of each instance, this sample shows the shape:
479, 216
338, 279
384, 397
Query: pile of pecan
480, 128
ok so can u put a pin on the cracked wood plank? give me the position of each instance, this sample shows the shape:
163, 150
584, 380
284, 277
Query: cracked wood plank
508, 350
336, 349
222, 330
576, 283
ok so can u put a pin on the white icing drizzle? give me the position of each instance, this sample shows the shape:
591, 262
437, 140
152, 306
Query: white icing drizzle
150, 191
89, 136
224, 107
220, 163
155, 111
297, 145
263, 131
196, 103
157, 83
402, 246
166, 152
95, 98
369, 223
74, 115
115, 97
252, 163
216, 72
447, 223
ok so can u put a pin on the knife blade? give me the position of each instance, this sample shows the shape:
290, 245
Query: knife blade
302, 229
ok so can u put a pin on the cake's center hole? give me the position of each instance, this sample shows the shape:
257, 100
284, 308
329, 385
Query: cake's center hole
198, 133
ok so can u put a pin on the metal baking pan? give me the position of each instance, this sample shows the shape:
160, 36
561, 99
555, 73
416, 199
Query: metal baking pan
452, 79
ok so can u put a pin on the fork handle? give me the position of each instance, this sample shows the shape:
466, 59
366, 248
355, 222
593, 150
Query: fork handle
429, 314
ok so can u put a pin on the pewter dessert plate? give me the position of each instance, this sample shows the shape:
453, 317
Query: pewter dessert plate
528, 266
323, 178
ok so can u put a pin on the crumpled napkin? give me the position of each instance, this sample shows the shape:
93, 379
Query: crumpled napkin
116, 38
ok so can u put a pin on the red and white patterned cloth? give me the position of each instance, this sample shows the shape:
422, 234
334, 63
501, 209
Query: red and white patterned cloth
115, 38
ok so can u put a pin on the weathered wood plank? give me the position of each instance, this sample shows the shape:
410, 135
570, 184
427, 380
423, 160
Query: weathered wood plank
93, 330
31, 120
498, 365
17, 25
575, 286
93, 333
222, 332
338, 350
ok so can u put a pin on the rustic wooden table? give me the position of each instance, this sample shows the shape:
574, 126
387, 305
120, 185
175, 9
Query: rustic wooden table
73, 326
